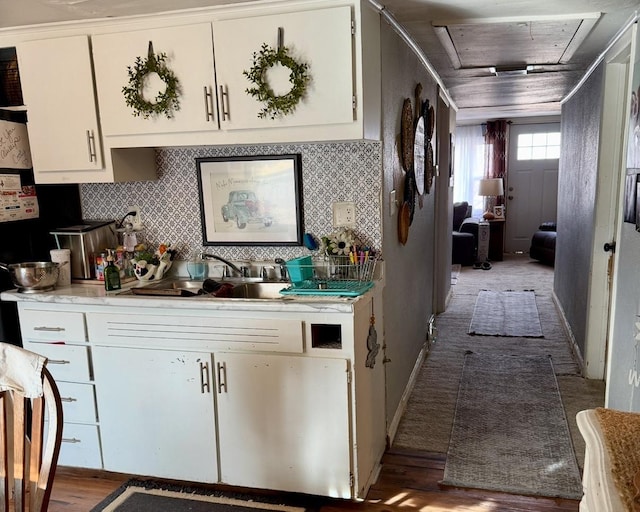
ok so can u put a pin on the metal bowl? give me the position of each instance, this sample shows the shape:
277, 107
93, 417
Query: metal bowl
38, 276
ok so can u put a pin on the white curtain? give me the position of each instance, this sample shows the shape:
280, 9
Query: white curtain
468, 167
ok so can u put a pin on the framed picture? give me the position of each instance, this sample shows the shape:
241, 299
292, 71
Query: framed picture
498, 211
251, 200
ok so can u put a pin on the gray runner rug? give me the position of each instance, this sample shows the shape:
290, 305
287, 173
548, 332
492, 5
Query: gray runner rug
506, 314
510, 432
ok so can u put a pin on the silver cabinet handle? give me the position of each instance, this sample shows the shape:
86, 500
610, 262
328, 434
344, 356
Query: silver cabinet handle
222, 377
72, 440
49, 329
224, 104
208, 104
58, 361
91, 143
68, 399
204, 378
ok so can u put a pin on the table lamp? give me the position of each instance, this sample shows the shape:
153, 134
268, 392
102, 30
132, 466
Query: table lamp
490, 187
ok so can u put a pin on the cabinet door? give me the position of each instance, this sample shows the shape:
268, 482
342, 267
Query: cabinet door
189, 51
57, 86
156, 413
284, 423
321, 38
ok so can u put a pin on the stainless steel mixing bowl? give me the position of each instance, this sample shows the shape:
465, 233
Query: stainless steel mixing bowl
37, 276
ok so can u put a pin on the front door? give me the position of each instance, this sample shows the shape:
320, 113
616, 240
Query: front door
532, 182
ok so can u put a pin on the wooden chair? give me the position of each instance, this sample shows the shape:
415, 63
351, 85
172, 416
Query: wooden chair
29, 445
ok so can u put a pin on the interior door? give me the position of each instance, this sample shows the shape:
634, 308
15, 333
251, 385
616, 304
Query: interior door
532, 186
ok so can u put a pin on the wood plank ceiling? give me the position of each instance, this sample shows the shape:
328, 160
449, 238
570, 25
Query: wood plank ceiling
461, 39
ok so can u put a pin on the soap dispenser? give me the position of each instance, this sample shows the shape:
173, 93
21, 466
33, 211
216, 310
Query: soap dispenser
111, 274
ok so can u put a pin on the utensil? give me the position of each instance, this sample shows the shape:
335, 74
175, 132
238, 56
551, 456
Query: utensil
37, 276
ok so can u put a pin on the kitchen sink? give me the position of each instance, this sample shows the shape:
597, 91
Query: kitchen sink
258, 290
190, 288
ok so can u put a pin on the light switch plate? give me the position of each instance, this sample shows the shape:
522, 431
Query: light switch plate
344, 214
393, 203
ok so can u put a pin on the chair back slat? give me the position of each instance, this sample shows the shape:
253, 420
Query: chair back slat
5, 492
29, 447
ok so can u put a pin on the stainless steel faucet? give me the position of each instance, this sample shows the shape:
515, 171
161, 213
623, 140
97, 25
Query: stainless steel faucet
242, 271
283, 269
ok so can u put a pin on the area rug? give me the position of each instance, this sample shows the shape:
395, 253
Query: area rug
510, 432
153, 496
506, 314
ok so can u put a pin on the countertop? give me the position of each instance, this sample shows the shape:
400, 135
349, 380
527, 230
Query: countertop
93, 294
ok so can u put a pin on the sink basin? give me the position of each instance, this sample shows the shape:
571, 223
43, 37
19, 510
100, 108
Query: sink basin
189, 288
258, 290
173, 288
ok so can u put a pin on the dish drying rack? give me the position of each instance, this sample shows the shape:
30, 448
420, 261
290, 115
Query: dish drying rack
330, 275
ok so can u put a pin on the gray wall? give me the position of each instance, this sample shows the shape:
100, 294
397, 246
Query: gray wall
408, 297
577, 180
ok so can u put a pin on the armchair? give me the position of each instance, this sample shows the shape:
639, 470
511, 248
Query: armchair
543, 244
464, 246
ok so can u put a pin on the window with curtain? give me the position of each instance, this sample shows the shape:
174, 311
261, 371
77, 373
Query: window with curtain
469, 166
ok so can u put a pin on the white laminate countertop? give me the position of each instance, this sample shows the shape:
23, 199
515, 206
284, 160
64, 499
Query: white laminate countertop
92, 294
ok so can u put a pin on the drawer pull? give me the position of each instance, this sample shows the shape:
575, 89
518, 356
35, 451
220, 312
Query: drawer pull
58, 361
71, 440
204, 378
91, 143
208, 104
68, 399
49, 329
222, 377
224, 103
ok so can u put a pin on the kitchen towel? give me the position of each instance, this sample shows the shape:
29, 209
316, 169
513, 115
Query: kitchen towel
21, 370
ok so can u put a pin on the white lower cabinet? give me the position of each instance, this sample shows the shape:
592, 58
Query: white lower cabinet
156, 410
61, 337
290, 400
284, 423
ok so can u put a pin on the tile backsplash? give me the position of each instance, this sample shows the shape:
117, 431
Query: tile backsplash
170, 206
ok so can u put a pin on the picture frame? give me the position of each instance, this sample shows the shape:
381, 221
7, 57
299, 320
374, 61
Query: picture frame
498, 211
251, 200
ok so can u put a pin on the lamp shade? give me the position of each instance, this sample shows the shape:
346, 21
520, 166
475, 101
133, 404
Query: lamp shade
491, 187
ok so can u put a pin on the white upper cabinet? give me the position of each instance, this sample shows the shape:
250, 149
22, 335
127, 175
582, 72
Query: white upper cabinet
57, 86
321, 38
189, 55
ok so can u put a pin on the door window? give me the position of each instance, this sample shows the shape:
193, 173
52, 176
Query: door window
538, 146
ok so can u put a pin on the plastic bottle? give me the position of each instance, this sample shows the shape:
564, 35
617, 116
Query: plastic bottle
111, 275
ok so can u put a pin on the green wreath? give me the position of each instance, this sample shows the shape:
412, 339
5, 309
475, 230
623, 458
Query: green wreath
276, 106
166, 102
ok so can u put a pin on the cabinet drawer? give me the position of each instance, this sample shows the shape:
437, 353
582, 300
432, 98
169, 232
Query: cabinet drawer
65, 362
78, 402
52, 325
195, 332
80, 446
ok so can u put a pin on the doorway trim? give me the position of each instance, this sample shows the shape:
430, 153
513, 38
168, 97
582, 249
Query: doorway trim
607, 210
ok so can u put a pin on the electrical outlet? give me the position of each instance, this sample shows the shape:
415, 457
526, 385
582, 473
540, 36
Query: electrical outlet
344, 214
135, 218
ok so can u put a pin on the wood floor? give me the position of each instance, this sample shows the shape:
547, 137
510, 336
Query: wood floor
408, 482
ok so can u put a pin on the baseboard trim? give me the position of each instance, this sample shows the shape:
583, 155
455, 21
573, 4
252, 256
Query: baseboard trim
567, 330
395, 422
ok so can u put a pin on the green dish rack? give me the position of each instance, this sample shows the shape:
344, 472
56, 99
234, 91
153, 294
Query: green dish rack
333, 275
